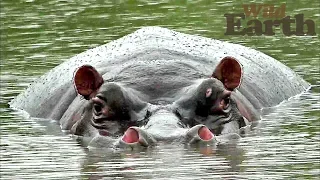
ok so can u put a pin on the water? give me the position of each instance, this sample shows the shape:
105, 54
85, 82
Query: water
38, 35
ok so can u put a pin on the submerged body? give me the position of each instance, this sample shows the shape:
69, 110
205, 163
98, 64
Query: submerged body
162, 81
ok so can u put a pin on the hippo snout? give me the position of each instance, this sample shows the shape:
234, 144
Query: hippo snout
163, 124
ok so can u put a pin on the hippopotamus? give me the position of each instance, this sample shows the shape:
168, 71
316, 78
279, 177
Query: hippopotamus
157, 84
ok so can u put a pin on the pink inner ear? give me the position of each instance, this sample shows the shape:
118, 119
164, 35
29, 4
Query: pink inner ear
87, 80
229, 72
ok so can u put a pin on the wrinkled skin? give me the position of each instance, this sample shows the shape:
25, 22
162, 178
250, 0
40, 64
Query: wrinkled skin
159, 88
214, 107
113, 108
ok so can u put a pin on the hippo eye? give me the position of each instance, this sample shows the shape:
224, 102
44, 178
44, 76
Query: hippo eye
225, 102
97, 108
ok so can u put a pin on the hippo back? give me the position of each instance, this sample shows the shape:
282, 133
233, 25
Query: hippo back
160, 61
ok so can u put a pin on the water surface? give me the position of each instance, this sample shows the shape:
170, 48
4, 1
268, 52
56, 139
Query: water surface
38, 35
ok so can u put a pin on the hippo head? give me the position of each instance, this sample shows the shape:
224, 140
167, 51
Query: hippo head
113, 108
213, 102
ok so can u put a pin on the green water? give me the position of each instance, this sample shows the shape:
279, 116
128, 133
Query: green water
38, 35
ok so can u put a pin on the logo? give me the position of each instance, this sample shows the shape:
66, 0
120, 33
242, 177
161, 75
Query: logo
275, 18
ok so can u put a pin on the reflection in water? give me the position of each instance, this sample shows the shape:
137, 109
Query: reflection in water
164, 160
37, 35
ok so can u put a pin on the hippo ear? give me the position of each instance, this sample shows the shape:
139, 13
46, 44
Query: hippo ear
229, 72
87, 81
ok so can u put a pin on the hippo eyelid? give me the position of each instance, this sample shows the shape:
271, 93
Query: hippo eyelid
102, 98
226, 94
98, 101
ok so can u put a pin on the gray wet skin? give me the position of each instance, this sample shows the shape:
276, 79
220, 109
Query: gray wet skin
157, 72
111, 108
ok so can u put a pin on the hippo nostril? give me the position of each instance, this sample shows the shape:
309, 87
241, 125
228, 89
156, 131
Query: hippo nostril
131, 136
205, 134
